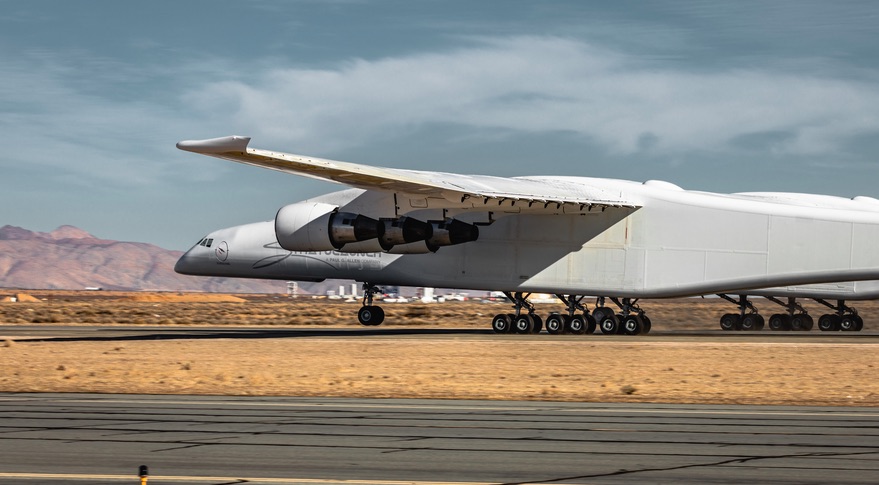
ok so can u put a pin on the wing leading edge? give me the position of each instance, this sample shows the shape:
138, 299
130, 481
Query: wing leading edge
456, 188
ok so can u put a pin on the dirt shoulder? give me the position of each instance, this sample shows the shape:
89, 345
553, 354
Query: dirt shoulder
553, 368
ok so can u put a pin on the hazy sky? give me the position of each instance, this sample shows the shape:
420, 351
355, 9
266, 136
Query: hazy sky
720, 96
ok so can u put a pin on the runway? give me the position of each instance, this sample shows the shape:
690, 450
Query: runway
53, 438
62, 333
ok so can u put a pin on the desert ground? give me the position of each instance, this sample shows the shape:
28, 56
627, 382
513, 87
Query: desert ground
670, 365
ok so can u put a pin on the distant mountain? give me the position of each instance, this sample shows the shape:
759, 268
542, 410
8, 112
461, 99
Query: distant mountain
70, 258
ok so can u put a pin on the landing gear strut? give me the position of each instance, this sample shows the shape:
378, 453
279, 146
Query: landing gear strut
557, 323
370, 315
846, 318
632, 319
747, 319
796, 318
519, 322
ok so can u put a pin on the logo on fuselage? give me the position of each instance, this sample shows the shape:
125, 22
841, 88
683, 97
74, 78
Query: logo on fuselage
222, 251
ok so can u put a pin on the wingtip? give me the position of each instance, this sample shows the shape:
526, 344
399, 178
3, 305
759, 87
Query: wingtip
215, 145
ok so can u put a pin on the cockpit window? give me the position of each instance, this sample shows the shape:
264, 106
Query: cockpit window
206, 242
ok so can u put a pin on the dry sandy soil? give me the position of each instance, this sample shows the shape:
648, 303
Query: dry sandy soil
725, 368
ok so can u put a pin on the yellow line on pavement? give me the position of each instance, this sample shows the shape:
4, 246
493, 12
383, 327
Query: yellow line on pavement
158, 479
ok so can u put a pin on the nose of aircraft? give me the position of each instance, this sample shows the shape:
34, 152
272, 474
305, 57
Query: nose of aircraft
186, 264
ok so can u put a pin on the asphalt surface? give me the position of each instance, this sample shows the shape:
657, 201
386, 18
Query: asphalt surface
55, 438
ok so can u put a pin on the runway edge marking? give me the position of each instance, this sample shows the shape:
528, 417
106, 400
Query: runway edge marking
129, 478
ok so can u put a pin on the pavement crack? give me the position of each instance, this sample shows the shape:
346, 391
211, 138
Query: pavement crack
196, 445
695, 465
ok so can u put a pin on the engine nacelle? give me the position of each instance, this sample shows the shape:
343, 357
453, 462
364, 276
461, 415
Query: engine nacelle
403, 230
315, 226
304, 226
450, 232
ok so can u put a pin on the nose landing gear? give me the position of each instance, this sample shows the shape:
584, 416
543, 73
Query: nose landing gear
370, 315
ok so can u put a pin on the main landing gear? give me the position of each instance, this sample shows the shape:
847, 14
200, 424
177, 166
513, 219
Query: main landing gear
570, 321
846, 318
370, 315
518, 322
630, 321
747, 319
796, 317
576, 318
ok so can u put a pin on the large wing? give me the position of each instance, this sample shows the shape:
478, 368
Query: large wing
455, 188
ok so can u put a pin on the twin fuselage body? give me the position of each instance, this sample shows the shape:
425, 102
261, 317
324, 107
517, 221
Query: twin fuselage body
676, 243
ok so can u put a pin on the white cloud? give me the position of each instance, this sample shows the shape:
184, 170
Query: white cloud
539, 84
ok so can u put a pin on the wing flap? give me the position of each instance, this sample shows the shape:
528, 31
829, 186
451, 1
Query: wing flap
457, 189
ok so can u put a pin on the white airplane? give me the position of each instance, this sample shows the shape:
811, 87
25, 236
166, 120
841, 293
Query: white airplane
570, 236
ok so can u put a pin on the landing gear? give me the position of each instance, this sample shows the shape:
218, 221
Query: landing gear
571, 322
846, 318
519, 322
370, 315
796, 318
575, 319
631, 319
748, 319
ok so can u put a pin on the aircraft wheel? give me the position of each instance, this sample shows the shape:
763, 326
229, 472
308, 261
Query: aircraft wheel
621, 330
646, 320
609, 324
828, 322
575, 324
779, 321
848, 323
730, 321
750, 322
632, 325
555, 323
501, 323
600, 312
807, 322
590, 323
538, 323
371, 315
523, 323
859, 323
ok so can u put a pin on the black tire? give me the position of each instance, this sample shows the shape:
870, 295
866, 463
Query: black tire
609, 324
501, 323
848, 323
779, 322
828, 322
538, 323
575, 324
523, 324
752, 322
859, 323
632, 325
802, 322
730, 322
600, 312
647, 325
371, 315
590, 323
555, 324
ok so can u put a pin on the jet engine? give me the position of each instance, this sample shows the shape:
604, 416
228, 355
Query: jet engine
402, 230
316, 226
450, 232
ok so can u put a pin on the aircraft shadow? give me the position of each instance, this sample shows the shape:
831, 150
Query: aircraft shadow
208, 334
